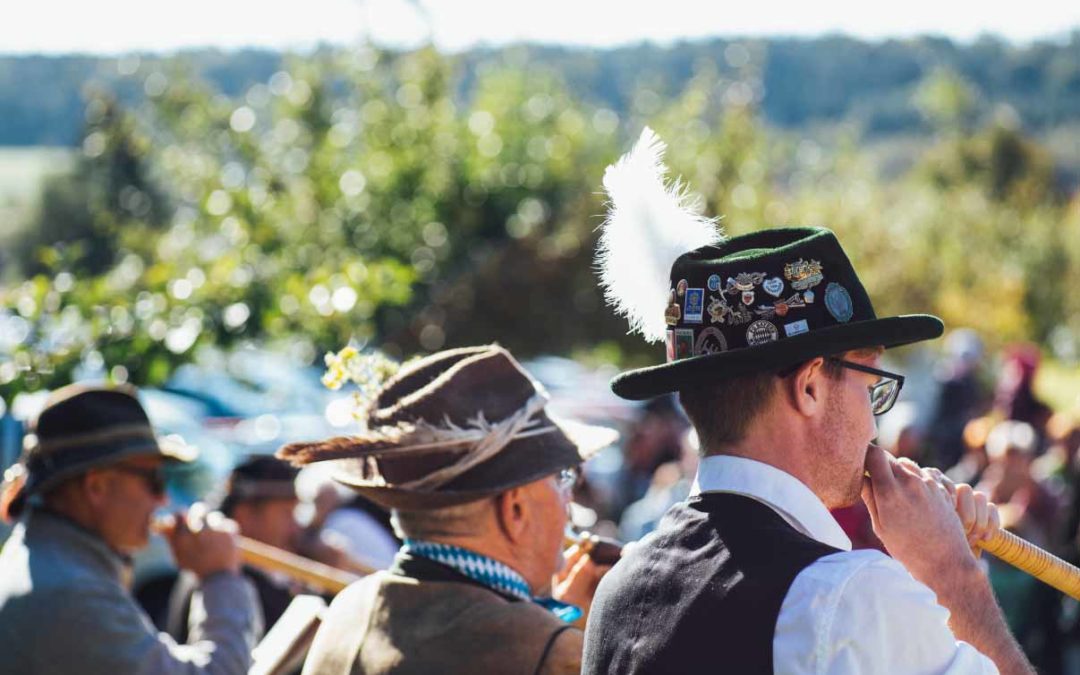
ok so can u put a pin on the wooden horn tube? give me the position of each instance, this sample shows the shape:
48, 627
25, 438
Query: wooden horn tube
274, 559
1028, 557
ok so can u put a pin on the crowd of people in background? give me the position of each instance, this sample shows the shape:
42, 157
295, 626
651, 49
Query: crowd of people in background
985, 428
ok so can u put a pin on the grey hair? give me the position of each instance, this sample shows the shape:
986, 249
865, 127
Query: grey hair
451, 521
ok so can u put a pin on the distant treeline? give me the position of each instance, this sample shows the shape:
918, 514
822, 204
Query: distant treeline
800, 82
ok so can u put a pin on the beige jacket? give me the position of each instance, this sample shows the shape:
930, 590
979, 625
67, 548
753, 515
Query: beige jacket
389, 624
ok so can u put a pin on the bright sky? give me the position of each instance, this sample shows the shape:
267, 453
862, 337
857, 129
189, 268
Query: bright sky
111, 26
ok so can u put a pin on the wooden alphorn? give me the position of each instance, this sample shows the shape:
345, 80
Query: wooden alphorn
273, 559
1028, 557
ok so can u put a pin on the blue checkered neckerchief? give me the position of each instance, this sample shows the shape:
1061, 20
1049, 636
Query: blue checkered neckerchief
488, 572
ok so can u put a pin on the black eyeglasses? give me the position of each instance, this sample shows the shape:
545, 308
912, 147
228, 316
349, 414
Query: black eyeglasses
567, 479
153, 478
884, 393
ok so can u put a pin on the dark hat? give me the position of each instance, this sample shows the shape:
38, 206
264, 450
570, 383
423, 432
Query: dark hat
762, 302
451, 428
82, 427
255, 478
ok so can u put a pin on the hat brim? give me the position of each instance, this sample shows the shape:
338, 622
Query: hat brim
171, 448
895, 331
521, 462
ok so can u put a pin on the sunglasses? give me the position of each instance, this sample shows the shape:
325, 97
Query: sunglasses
883, 394
154, 478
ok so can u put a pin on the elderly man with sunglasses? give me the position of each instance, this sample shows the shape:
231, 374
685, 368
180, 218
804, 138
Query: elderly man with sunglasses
87, 488
752, 574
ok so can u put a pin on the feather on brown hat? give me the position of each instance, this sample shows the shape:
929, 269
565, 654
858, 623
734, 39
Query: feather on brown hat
451, 428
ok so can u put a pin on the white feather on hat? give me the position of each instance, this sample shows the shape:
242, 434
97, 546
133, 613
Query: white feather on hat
650, 222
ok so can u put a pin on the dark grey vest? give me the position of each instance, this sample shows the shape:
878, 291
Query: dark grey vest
702, 593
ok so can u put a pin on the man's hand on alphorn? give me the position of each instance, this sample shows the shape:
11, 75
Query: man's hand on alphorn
202, 541
926, 521
977, 513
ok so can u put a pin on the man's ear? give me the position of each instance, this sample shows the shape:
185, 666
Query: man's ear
805, 388
512, 511
96, 487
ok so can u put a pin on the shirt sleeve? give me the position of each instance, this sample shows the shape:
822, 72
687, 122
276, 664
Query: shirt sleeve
115, 636
862, 612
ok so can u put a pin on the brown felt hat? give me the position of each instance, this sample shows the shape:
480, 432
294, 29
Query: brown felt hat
451, 428
82, 427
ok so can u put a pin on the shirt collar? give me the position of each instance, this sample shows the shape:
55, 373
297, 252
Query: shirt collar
79, 542
488, 572
479, 568
781, 491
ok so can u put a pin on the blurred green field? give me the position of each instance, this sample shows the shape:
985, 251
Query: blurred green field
21, 173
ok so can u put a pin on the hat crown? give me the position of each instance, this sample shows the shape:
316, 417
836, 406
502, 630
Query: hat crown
451, 428
80, 409
759, 288
458, 386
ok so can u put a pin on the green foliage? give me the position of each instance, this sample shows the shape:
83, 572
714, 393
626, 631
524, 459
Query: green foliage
85, 211
946, 99
353, 197
806, 82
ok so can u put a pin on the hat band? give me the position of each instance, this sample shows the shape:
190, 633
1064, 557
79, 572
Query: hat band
124, 432
262, 489
487, 440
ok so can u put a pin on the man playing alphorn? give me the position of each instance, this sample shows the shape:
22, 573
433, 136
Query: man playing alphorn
93, 481
478, 476
774, 348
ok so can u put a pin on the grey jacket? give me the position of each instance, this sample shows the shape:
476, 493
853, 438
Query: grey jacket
64, 609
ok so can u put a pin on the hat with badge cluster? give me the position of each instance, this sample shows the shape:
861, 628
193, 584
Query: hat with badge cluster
727, 307
82, 427
450, 428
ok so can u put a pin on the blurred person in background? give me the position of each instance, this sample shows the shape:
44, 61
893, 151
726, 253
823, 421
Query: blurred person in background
655, 438
1057, 469
1015, 398
1031, 510
1008, 479
260, 497
362, 529
92, 481
960, 397
974, 461
479, 478
671, 484
341, 528
1030, 607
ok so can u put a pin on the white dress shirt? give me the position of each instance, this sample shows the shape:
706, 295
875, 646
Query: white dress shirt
848, 612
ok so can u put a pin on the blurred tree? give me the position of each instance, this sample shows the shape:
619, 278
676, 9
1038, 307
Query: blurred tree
82, 214
352, 196
946, 99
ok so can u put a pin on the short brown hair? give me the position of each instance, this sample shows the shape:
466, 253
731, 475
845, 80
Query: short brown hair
722, 412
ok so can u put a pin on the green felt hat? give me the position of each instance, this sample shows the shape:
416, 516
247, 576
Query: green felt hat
762, 302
